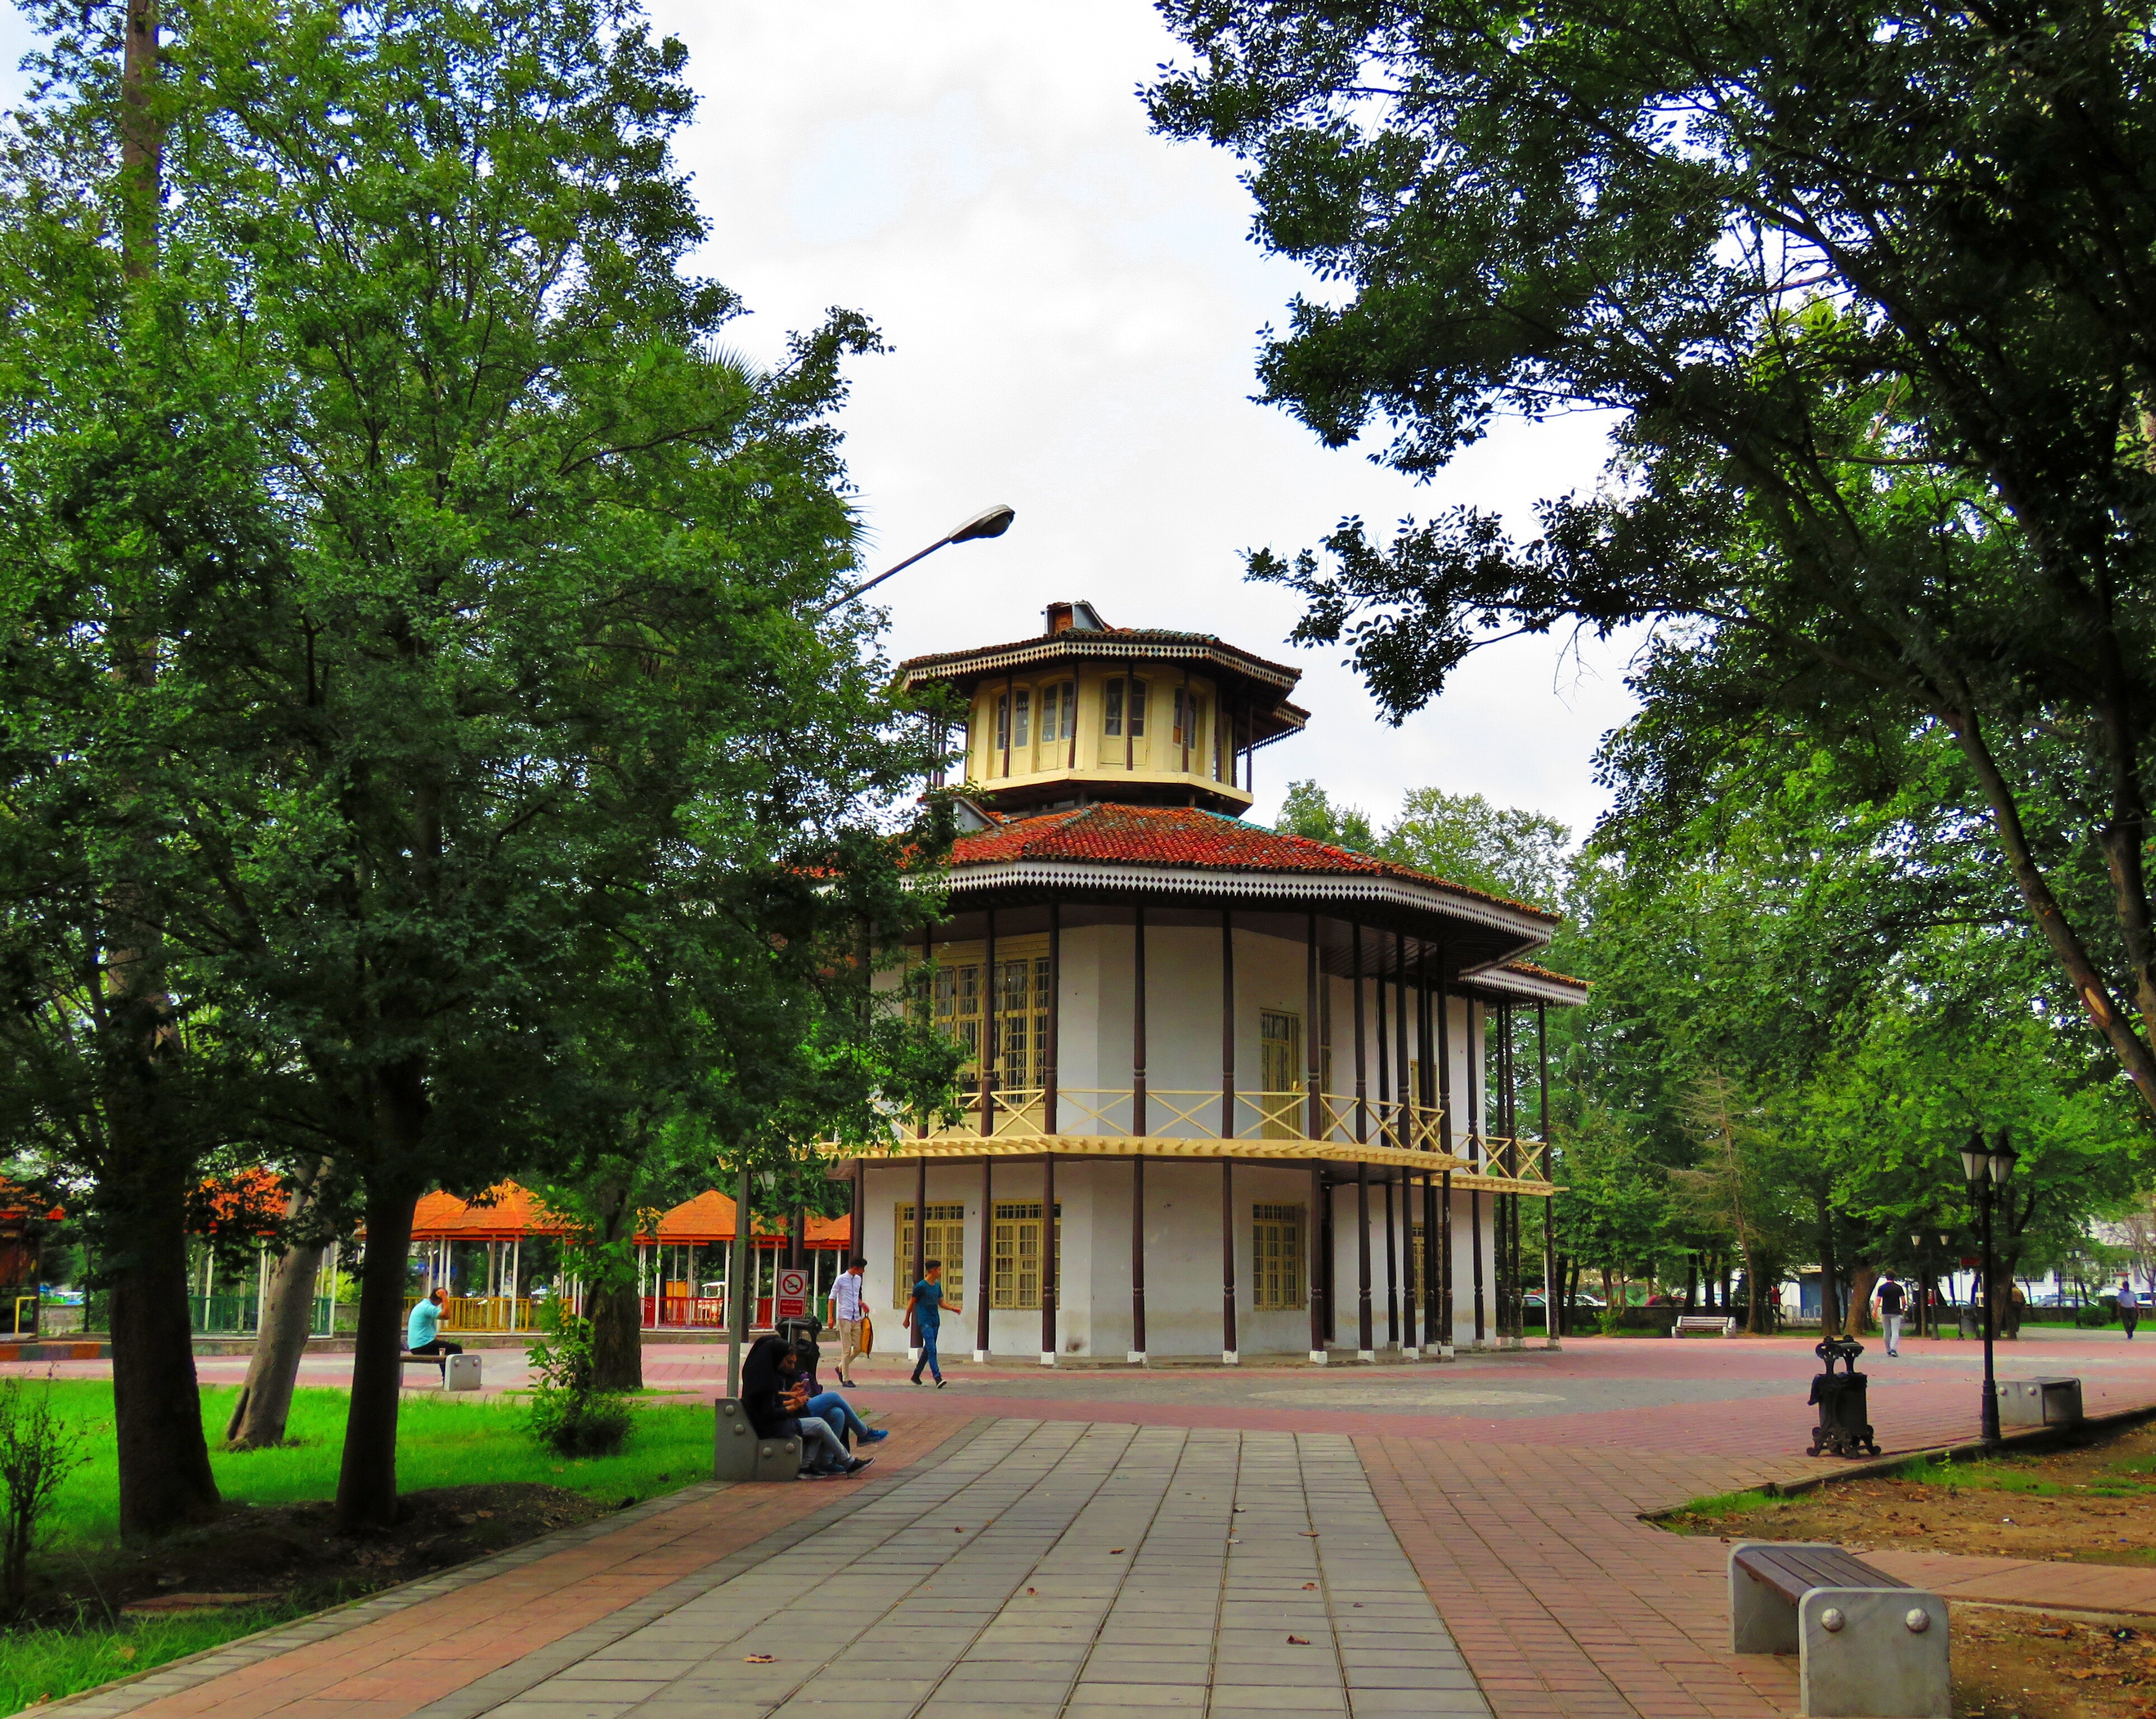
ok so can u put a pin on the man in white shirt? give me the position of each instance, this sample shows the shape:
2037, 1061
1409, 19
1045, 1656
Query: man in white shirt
2130, 1306
847, 1312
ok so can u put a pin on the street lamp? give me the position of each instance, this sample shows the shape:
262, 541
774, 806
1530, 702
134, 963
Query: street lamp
1985, 1170
993, 523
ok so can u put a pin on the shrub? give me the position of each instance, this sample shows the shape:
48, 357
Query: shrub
37, 1454
569, 1414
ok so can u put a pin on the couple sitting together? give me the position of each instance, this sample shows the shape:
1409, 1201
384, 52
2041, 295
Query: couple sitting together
783, 1400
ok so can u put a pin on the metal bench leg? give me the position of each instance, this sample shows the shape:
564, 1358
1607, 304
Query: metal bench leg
1872, 1652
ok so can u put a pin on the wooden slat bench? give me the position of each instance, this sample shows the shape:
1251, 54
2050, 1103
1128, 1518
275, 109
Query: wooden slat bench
1866, 1643
1720, 1324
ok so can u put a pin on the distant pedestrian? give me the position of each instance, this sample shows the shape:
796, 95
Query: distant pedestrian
846, 1309
924, 1313
422, 1333
1893, 1300
2130, 1306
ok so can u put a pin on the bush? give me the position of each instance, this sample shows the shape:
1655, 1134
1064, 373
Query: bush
38, 1452
569, 1414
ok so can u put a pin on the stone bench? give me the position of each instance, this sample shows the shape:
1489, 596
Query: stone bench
1717, 1323
1866, 1645
739, 1453
460, 1372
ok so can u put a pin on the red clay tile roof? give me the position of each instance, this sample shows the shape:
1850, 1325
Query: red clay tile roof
1532, 972
1182, 836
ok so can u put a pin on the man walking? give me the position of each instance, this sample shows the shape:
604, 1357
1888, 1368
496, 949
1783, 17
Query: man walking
1892, 1301
846, 1310
422, 1335
924, 1313
2129, 1305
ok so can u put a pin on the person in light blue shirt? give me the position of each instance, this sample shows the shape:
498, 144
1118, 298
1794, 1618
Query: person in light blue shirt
924, 1313
423, 1333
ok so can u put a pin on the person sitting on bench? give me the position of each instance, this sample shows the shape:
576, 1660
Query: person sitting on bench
773, 1396
422, 1336
829, 1405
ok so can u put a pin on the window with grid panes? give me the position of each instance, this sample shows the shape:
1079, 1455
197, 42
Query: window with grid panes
1014, 1255
958, 1011
1280, 1067
1276, 1258
944, 1230
1058, 715
1022, 1002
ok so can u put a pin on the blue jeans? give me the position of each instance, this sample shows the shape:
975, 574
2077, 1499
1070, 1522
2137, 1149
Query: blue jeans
926, 1336
830, 1406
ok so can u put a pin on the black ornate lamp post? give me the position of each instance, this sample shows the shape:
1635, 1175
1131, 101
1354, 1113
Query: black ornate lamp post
1985, 1170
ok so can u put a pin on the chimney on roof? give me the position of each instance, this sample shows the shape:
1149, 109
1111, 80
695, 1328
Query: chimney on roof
1058, 617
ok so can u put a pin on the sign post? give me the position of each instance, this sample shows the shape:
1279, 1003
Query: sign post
791, 1297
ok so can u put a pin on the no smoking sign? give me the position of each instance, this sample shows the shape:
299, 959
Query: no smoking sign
793, 1296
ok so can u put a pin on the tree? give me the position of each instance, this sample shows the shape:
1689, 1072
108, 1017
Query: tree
1465, 839
1307, 810
1737, 1184
1866, 298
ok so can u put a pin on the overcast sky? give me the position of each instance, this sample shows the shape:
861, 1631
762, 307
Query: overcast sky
1073, 307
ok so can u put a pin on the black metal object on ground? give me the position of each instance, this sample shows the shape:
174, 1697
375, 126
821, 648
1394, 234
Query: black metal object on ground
1843, 1429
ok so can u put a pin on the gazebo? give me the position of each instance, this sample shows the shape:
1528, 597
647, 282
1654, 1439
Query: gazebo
1195, 1040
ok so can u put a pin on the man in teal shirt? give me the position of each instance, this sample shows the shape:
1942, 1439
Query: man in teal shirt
422, 1334
925, 1314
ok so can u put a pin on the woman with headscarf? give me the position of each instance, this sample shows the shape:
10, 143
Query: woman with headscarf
773, 1396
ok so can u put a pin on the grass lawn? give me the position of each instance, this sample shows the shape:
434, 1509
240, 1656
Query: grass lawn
442, 1441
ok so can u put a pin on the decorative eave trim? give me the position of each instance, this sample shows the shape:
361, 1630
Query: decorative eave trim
1257, 886
1532, 987
1099, 647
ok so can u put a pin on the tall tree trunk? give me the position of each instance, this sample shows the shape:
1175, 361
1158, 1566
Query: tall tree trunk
366, 1478
614, 1307
265, 1398
1861, 1277
165, 1478
1830, 1272
1752, 1305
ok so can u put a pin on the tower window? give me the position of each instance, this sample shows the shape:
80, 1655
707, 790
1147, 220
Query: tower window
1137, 710
1058, 712
1113, 705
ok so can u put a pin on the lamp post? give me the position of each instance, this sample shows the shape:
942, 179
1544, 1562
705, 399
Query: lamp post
1985, 1170
993, 523
1923, 1275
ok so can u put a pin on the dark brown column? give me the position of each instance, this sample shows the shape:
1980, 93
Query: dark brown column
1010, 718
1331, 1268
1313, 1102
1385, 1055
1365, 1342
1430, 1301
1229, 1350
928, 956
1362, 1074
1137, 1019
857, 1233
1138, 1353
1438, 1007
1477, 1074
920, 1223
1408, 1099
1130, 737
1048, 1260
1185, 724
1315, 1279
1077, 690
985, 1289
1550, 1320
1392, 1268
1227, 1024
1054, 1017
989, 1030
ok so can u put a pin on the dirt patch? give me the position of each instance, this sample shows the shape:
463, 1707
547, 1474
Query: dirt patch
292, 1554
2027, 1666
2094, 1503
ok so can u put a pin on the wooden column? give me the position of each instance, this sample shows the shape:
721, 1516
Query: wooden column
1430, 1301
988, 1123
920, 1226
1048, 1260
857, 1233
1438, 1006
1550, 1322
1185, 724
1313, 1101
1054, 1046
1138, 1025
1385, 1054
1315, 1280
985, 1288
1408, 1098
1227, 1024
1477, 1077
1392, 1268
1130, 723
1010, 717
1137, 1353
1229, 1354
1362, 1071
1365, 1339
927, 960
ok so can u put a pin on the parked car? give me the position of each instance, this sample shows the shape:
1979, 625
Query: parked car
1582, 1300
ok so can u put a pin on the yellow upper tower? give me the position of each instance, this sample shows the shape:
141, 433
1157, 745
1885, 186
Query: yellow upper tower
1088, 712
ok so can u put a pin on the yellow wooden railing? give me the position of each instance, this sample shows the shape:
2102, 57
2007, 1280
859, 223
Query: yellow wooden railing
1173, 1113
